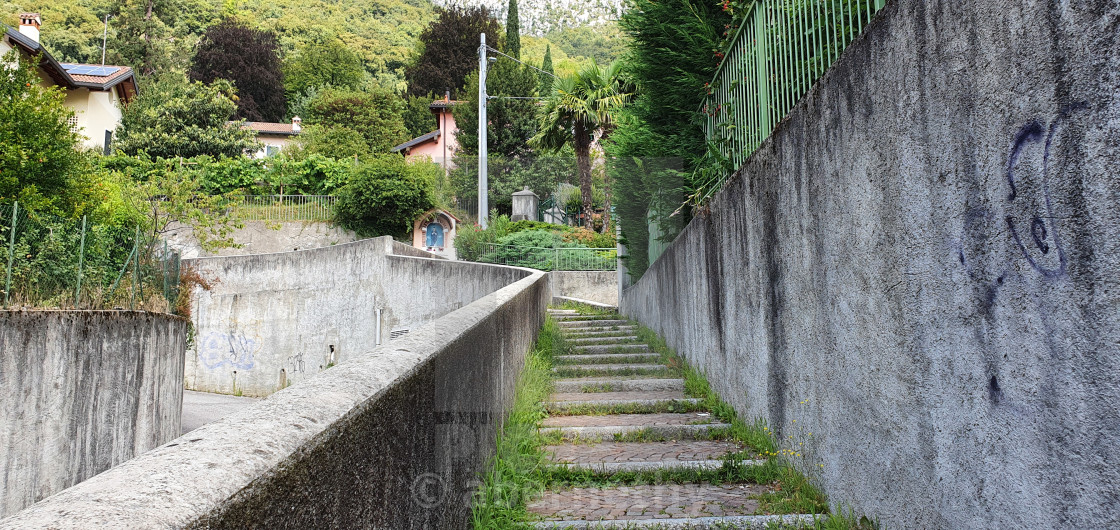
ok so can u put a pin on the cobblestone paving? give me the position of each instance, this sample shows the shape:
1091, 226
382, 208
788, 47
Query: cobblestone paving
630, 503
616, 420
640, 452
617, 396
647, 502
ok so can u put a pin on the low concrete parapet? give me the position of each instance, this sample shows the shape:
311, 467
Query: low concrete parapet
593, 286
272, 320
392, 438
82, 391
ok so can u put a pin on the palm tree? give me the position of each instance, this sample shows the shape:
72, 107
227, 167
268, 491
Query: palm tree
581, 106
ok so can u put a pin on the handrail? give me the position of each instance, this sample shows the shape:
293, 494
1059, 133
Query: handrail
780, 49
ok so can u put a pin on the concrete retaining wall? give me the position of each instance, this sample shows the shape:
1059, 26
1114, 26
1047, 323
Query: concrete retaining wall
922, 269
392, 438
264, 237
82, 391
276, 319
596, 286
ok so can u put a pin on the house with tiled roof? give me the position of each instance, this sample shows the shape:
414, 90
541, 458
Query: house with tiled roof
96, 93
274, 137
438, 146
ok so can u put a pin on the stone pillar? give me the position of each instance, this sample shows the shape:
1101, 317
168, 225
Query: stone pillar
525, 205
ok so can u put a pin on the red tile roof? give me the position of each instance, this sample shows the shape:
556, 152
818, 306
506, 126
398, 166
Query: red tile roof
264, 127
123, 72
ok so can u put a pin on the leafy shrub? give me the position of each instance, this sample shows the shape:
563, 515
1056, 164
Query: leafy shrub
589, 238
521, 226
385, 195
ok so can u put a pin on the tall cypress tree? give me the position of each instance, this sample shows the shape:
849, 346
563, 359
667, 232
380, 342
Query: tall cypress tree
546, 79
513, 30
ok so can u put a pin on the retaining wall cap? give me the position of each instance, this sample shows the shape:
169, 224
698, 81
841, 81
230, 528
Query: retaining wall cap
191, 476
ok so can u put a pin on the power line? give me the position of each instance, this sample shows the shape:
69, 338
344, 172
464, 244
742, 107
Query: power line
514, 97
520, 61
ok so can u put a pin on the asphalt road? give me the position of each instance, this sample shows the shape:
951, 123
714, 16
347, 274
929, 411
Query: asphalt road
200, 408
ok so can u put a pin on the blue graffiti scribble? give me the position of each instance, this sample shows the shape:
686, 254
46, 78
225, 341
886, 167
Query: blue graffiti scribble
222, 349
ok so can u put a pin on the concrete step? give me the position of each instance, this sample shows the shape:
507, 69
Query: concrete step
594, 385
607, 358
671, 425
683, 450
673, 432
662, 395
603, 405
614, 348
604, 332
610, 468
599, 505
580, 324
577, 317
622, 339
733, 522
608, 368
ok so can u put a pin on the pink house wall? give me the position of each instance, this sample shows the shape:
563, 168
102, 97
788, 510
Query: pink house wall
434, 150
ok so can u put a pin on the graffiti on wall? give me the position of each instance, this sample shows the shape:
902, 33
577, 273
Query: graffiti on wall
1025, 210
234, 348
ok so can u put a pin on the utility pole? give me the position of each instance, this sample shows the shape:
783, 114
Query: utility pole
483, 185
104, 39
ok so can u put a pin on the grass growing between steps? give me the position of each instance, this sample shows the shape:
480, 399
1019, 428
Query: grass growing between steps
795, 492
585, 309
517, 470
668, 406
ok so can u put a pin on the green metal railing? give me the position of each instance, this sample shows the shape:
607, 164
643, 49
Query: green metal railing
56, 262
547, 259
280, 208
781, 48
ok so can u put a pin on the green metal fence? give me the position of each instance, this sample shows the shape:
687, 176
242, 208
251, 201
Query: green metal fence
54, 262
547, 259
281, 208
781, 48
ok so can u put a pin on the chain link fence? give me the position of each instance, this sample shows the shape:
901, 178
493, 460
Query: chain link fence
55, 262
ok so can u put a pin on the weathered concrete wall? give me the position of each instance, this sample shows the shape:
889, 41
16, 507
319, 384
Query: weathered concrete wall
922, 268
262, 237
596, 286
82, 391
276, 319
392, 438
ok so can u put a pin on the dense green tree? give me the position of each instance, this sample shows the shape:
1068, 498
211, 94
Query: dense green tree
511, 121
673, 46
418, 117
449, 50
325, 62
173, 117
373, 116
513, 30
39, 156
547, 75
385, 195
249, 59
580, 107
605, 43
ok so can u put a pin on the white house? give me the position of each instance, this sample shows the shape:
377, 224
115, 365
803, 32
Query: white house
274, 137
96, 93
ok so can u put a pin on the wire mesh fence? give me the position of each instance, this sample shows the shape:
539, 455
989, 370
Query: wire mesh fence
781, 48
280, 208
54, 262
543, 258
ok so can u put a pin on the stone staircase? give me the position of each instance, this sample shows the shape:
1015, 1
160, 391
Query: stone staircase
663, 430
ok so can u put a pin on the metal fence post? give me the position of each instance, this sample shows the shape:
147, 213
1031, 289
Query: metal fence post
136, 271
11, 255
81, 264
164, 266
